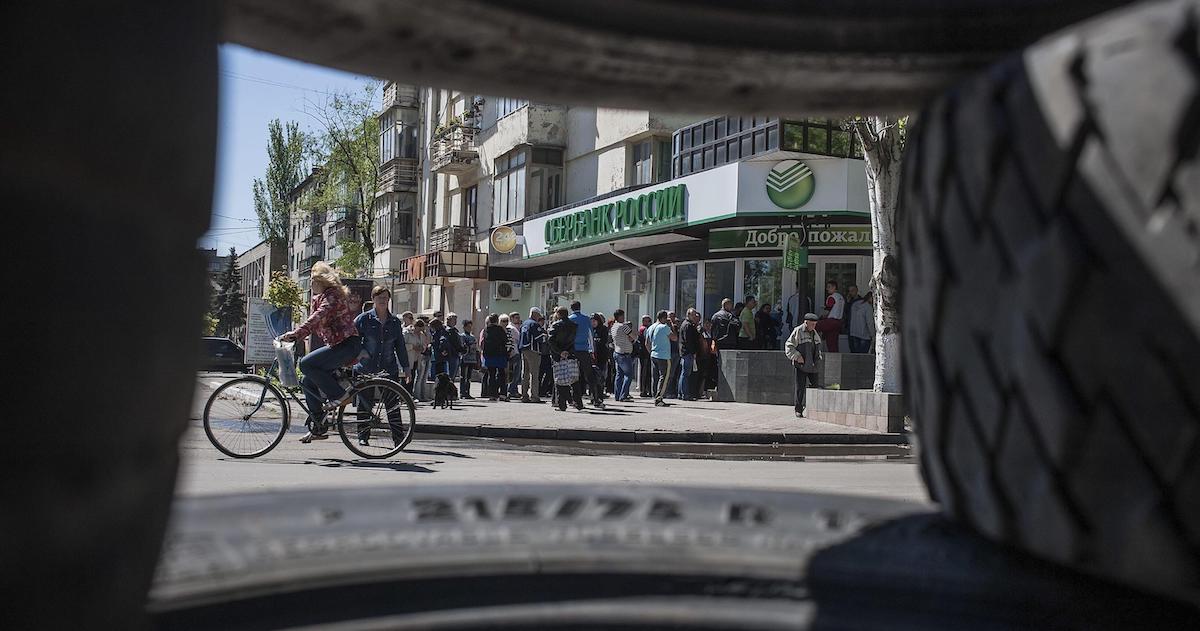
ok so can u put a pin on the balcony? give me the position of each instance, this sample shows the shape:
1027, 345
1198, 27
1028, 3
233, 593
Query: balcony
452, 239
400, 95
433, 267
399, 174
454, 151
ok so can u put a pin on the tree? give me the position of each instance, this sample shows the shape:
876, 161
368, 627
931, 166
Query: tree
285, 170
882, 140
355, 259
283, 292
231, 305
347, 147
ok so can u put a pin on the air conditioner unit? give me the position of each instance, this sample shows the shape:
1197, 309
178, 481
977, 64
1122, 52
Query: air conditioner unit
504, 290
557, 285
634, 281
575, 284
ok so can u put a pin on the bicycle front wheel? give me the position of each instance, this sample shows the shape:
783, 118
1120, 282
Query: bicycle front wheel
246, 417
383, 420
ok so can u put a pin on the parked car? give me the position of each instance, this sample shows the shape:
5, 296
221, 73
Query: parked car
223, 355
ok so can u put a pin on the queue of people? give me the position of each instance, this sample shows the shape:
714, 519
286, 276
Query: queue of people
661, 358
575, 355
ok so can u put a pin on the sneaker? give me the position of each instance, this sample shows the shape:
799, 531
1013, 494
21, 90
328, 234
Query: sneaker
467, 396
536, 401
599, 405
562, 408
525, 400
661, 404
309, 437
364, 442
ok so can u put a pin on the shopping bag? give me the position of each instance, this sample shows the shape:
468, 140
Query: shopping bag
566, 372
285, 359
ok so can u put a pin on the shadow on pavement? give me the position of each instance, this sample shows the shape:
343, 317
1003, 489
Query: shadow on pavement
337, 463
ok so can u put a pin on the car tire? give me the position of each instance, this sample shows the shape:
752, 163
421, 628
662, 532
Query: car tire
1050, 239
609, 557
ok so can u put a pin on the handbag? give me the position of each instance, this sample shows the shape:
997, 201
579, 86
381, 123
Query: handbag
566, 372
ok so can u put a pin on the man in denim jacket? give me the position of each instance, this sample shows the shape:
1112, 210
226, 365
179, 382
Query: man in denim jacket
383, 348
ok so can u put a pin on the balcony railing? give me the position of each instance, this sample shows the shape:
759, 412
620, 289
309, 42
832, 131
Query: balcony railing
399, 174
454, 150
434, 267
453, 239
400, 95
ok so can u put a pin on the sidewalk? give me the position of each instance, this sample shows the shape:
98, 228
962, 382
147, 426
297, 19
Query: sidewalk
641, 422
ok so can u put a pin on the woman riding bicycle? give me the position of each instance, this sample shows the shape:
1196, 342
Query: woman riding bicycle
333, 322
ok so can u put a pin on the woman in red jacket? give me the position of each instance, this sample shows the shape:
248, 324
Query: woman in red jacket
333, 322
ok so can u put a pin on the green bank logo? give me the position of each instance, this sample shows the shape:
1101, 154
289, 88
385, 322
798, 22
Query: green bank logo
790, 184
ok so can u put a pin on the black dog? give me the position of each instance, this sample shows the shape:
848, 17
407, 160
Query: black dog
445, 392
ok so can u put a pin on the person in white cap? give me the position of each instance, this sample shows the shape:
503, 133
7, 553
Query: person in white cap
804, 349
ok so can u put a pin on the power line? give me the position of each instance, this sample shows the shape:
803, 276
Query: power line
277, 84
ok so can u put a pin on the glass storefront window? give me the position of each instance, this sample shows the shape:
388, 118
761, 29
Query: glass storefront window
662, 288
763, 279
685, 287
718, 285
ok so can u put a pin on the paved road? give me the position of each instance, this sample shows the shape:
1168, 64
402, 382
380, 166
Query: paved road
329, 464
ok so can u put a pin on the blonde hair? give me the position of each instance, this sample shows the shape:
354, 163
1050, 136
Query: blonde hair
324, 275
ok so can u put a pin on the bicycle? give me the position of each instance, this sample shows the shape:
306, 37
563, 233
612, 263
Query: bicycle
251, 415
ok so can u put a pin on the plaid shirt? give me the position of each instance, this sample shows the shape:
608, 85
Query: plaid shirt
331, 319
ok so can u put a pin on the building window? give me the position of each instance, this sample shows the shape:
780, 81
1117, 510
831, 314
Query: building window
398, 135
470, 207
395, 220
508, 192
763, 279
651, 161
718, 285
643, 166
685, 288
506, 106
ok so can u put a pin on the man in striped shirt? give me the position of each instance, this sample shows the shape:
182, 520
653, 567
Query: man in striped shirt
622, 338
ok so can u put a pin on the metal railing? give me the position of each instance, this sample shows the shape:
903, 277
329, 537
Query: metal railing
454, 149
398, 173
400, 95
452, 239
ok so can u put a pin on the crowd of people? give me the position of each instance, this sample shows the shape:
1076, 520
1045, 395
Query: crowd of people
573, 356
664, 357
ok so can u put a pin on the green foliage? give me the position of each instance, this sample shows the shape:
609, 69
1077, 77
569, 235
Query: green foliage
286, 153
231, 304
355, 259
347, 146
283, 292
210, 324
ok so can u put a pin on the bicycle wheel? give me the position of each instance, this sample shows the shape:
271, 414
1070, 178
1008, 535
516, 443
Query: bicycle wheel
383, 421
246, 417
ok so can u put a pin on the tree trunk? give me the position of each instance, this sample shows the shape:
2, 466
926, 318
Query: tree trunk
881, 137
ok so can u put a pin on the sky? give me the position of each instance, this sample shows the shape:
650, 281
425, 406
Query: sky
256, 87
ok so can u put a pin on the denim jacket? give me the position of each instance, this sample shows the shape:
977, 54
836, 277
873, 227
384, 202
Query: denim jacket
383, 344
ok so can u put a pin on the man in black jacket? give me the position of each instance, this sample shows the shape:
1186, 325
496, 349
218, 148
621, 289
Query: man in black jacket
689, 346
455, 343
561, 338
726, 326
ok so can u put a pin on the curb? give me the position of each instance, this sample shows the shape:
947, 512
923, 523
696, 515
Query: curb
631, 436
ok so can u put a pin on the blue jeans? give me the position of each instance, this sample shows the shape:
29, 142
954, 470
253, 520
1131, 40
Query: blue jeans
685, 372
318, 367
859, 344
514, 375
624, 377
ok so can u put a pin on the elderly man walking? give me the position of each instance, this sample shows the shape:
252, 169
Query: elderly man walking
804, 349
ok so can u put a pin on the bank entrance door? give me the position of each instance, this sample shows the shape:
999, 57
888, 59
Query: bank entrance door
846, 270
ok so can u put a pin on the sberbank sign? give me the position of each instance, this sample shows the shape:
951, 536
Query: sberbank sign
772, 238
621, 218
